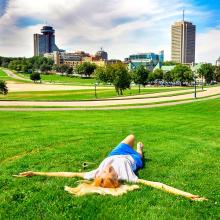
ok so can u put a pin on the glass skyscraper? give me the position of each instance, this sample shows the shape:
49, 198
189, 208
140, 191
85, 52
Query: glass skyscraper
45, 42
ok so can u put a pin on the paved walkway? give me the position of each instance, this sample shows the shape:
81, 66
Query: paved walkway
144, 101
34, 87
12, 75
109, 108
25, 87
209, 92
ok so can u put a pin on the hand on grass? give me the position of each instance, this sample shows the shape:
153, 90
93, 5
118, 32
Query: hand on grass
25, 174
197, 198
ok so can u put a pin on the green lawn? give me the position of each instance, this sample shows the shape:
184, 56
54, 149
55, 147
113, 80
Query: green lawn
181, 148
62, 79
4, 76
88, 94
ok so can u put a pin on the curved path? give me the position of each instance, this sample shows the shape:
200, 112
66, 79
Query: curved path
110, 108
31, 87
101, 103
12, 75
34, 87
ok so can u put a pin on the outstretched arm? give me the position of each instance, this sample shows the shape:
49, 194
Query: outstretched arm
172, 190
54, 174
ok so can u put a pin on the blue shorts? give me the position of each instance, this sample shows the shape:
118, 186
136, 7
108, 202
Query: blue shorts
125, 149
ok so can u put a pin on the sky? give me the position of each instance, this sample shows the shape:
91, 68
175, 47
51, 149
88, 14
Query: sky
120, 27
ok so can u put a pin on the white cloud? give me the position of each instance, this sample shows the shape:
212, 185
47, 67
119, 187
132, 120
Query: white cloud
121, 27
208, 47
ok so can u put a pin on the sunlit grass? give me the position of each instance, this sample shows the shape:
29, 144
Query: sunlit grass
181, 149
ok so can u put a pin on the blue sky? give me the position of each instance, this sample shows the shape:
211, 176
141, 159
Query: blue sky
120, 27
3, 4
210, 6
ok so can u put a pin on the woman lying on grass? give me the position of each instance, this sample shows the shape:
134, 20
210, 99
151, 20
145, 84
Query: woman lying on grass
120, 165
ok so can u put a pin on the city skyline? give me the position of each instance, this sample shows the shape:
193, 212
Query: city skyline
120, 27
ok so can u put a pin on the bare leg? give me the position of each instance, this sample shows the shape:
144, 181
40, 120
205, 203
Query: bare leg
54, 174
129, 140
140, 146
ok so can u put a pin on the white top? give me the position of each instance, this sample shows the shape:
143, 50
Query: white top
122, 164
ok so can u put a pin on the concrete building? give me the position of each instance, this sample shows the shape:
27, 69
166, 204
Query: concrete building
149, 60
74, 59
114, 61
63, 58
183, 35
45, 42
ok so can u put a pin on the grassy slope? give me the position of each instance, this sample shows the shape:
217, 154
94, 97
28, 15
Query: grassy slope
62, 79
80, 94
3, 76
181, 148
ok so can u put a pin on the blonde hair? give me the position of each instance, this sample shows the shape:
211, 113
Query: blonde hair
88, 187
106, 182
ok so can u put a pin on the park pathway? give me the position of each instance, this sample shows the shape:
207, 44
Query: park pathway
12, 75
213, 91
110, 108
46, 86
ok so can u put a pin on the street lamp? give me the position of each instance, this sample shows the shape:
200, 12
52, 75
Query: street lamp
195, 76
95, 90
202, 83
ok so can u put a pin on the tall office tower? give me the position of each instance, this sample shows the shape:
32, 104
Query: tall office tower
45, 42
183, 42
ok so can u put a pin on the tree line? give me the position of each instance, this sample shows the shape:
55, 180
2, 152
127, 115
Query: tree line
121, 78
116, 74
45, 65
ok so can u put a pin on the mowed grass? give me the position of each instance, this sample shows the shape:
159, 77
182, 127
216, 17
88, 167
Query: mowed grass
88, 94
182, 149
53, 78
4, 76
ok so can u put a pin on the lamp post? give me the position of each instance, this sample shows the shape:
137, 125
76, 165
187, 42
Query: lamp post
202, 83
195, 85
95, 90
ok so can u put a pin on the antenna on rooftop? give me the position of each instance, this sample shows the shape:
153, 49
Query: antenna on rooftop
183, 14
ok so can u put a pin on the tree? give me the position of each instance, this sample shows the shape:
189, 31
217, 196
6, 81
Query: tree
116, 74
86, 69
182, 73
151, 77
69, 71
207, 71
45, 67
217, 73
158, 74
169, 63
168, 76
35, 76
121, 77
63, 69
102, 75
3, 87
140, 76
